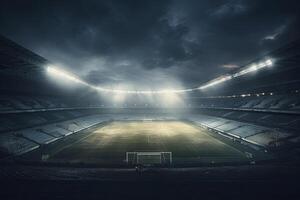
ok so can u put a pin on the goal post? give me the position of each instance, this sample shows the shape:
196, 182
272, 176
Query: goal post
149, 158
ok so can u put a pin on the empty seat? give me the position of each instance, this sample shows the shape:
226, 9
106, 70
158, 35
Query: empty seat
267, 138
247, 130
37, 136
14, 145
55, 131
229, 126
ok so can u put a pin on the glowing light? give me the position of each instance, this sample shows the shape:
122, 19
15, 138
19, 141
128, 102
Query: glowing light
254, 67
68, 76
170, 100
216, 81
269, 62
54, 71
64, 75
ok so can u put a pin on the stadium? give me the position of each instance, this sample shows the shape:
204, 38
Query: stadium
235, 132
232, 129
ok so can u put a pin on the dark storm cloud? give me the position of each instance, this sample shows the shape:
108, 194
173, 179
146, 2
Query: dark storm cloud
150, 42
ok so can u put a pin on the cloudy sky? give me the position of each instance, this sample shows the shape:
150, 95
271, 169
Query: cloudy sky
150, 44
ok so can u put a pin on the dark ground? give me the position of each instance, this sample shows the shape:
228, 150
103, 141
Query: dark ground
267, 181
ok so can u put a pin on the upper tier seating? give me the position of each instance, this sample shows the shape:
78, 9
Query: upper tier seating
258, 135
271, 102
22, 141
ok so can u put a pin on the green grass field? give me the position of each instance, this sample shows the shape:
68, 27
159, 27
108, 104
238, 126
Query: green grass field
188, 143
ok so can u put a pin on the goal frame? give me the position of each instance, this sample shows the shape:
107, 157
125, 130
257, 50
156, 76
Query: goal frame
161, 155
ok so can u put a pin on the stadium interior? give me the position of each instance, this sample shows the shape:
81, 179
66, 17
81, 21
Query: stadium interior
46, 125
153, 100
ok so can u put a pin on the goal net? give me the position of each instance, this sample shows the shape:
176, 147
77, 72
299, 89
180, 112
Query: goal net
149, 158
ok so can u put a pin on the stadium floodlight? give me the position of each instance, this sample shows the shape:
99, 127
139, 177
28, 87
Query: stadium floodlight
69, 76
251, 68
254, 67
269, 62
216, 81
64, 75
56, 72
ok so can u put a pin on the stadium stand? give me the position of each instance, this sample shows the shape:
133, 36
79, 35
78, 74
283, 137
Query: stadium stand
23, 141
254, 134
15, 145
258, 103
54, 131
36, 136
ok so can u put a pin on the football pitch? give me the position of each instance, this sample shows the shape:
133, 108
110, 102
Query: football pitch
188, 143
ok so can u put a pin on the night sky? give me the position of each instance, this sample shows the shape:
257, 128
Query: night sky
140, 44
